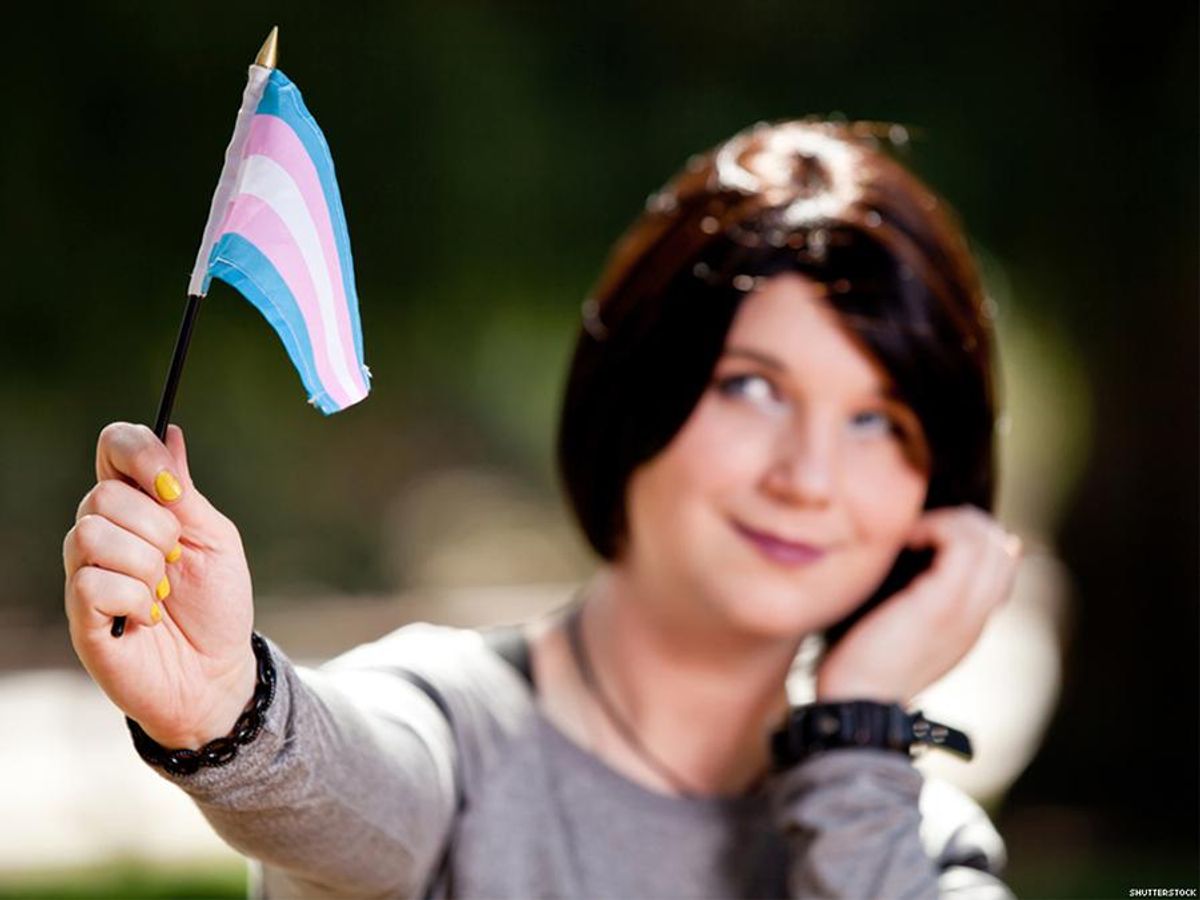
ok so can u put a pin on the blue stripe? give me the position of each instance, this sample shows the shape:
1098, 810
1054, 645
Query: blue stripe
241, 265
282, 98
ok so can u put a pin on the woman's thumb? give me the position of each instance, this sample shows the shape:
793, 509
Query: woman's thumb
177, 447
193, 508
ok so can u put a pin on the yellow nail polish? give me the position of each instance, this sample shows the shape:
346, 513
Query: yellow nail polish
155, 613
174, 555
163, 589
166, 486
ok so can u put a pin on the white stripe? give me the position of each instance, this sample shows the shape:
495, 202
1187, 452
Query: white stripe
265, 179
227, 183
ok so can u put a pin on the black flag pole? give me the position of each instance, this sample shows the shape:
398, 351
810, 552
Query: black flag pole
181, 348
168, 396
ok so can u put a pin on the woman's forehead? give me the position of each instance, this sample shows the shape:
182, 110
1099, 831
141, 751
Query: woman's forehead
787, 324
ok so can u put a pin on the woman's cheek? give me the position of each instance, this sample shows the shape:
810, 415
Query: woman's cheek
727, 446
678, 499
864, 571
884, 499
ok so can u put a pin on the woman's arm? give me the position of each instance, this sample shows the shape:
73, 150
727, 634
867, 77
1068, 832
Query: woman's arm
853, 817
854, 814
349, 787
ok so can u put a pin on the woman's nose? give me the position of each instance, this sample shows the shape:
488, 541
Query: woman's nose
803, 469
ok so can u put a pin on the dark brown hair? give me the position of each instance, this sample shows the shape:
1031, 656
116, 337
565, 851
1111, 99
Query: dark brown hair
820, 198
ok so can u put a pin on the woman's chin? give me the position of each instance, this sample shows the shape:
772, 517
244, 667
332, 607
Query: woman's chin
773, 611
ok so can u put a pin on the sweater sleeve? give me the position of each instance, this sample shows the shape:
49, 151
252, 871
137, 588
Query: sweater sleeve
349, 787
861, 822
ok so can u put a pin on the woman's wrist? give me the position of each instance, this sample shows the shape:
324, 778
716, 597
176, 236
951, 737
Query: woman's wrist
833, 687
234, 700
216, 744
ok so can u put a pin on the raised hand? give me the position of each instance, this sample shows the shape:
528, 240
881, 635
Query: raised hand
917, 635
149, 546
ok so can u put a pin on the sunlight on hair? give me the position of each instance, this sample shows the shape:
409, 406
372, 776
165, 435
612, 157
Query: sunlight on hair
770, 169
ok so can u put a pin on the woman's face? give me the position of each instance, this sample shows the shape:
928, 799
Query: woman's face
794, 441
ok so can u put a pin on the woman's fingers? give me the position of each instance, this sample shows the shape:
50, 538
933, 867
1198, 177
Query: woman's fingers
956, 540
133, 453
94, 596
939, 527
134, 511
921, 632
973, 566
1013, 545
126, 450
997, 571
97, 541
178, 450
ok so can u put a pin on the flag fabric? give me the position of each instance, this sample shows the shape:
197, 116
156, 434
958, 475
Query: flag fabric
276, 232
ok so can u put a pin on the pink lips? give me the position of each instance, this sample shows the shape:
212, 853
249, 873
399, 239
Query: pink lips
779, 550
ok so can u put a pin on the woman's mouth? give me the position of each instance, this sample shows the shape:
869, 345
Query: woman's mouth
776, 549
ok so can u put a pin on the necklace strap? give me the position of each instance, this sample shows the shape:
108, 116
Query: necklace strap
574, 628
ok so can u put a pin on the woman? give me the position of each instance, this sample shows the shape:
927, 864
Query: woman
778, 423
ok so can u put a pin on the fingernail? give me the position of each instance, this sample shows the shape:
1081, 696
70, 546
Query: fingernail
155, 613
163, 589
174, 555
166, 486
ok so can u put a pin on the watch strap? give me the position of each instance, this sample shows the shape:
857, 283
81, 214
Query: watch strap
814, 727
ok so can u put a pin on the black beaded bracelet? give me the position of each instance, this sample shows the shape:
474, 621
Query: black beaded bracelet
220, 751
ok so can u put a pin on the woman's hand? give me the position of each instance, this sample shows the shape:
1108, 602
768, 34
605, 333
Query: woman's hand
147, 545
914, 637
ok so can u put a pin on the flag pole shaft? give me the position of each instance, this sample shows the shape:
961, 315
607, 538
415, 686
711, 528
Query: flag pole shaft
177, 358
168, 395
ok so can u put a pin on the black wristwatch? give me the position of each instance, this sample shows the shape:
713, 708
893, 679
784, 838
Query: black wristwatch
813, 727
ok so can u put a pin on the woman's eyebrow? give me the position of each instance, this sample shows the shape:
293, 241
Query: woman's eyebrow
765, 358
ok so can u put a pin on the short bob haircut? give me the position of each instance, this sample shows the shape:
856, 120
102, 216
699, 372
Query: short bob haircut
816, 197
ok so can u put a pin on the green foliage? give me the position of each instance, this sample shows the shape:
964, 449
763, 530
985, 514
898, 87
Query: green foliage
130, 880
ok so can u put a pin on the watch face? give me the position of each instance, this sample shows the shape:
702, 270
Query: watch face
827, 723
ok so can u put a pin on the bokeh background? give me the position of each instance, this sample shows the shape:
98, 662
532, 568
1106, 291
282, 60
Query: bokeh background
488, 156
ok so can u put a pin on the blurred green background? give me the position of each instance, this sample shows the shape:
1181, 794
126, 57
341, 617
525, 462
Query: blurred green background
488, 155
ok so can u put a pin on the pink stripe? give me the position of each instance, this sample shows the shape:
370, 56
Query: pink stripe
260, 225
272, 137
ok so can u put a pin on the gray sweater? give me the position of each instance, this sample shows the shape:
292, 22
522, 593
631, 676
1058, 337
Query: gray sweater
350, 791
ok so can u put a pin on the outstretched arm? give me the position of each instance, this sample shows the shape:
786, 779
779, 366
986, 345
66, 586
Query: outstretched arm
348, 788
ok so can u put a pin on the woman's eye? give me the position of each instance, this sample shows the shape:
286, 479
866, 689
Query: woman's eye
878, 422
752, 387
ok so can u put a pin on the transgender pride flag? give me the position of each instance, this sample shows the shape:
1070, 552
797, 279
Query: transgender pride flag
277, 234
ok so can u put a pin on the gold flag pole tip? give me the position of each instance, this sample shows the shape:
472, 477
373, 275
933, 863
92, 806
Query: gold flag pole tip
268, 55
